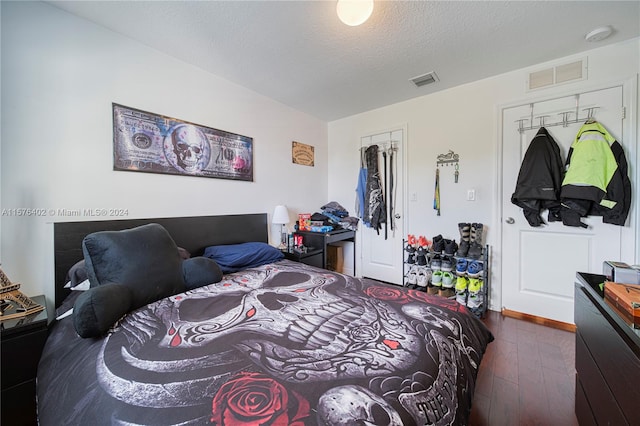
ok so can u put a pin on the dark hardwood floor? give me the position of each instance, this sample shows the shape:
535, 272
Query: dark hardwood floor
527, 376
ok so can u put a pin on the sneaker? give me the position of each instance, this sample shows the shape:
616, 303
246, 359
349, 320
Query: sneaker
476, 298
427, 274
436, 278
422, 279
421, 256
475, 269
438, 244
436, 263
423, 242
461, 267
433, 290
450, 247
461, 290
447, 279
446, 264
412, 276
410, 249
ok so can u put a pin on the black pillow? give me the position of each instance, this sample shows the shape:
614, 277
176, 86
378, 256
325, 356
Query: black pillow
145, 259
199, 271
98, 308
77, 274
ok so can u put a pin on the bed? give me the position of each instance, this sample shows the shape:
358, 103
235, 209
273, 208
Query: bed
282, 343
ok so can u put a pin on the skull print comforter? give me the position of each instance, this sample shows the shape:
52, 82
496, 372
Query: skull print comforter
281, 344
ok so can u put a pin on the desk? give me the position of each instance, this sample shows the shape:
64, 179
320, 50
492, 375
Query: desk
321, 240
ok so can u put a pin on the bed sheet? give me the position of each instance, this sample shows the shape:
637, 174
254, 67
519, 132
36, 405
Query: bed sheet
280, 344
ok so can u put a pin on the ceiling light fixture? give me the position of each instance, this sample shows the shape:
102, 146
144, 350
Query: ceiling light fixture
599, 34
354, 12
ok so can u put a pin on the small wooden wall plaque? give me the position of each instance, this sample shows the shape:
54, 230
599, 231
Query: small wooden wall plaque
302, 154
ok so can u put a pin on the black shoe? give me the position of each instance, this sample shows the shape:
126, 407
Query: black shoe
437, 244
475, 248
450, 247
421, 256
463, 249
475, 251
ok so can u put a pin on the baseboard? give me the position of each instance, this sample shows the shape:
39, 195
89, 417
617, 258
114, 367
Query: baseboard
539, 320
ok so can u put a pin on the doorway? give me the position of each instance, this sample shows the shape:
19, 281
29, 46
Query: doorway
381, 250
539, 264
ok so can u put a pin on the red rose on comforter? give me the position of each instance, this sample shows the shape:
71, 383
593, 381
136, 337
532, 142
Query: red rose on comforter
257, 399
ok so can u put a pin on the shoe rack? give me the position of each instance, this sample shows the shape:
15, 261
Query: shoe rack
412, 267
484, 259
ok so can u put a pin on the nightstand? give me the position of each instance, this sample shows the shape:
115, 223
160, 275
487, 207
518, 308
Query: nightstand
312, 256
21, 343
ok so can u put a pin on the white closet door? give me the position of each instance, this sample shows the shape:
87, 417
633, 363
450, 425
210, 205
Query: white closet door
381, 258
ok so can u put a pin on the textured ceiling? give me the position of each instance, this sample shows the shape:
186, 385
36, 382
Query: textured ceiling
300, 54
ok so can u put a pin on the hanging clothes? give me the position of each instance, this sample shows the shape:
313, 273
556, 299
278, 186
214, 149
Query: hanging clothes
436, 195
392, 197
375, 210
539, 180
596, 180
361, 190
385, 185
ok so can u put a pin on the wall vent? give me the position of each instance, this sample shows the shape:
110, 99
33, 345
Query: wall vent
559, 74
424, 79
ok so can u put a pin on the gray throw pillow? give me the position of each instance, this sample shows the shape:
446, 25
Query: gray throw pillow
145, 259
200, 271
98, 308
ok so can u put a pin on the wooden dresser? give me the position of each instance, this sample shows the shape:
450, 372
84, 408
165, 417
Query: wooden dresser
607, 359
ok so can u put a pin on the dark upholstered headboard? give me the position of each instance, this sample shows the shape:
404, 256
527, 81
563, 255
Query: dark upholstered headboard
192, 233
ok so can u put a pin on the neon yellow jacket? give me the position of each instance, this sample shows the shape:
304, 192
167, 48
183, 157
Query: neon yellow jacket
596, 181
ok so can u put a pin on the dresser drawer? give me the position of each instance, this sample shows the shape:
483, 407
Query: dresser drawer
612, 354
583, 409
602, 402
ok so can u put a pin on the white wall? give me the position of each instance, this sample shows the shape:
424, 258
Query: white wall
465, 119
60, 75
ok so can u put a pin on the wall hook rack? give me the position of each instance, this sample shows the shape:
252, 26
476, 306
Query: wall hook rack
450, 158
564, 122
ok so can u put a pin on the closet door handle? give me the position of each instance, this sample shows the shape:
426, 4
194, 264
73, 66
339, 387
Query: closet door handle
510, 220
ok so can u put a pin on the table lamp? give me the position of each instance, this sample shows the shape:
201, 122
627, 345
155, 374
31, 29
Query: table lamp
281, 217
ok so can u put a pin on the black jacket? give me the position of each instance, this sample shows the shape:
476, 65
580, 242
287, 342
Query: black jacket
540, 179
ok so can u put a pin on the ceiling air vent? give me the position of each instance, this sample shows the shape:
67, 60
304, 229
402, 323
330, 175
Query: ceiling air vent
424, 79
559, 74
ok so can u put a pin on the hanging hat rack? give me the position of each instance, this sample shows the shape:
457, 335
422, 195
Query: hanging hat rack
565, 120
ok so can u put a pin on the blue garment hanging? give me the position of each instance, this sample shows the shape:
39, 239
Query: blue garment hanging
361, 191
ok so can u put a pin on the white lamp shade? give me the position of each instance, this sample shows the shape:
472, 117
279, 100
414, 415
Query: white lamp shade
354, 12
280, 215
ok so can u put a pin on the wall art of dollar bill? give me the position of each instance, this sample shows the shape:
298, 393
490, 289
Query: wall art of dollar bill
148, 142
